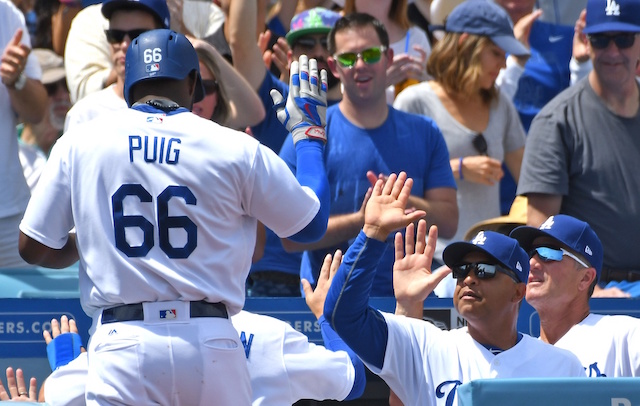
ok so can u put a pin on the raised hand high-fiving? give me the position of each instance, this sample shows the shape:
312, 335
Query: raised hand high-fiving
305, 110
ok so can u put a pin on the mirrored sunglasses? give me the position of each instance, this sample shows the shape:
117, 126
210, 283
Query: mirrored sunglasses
210, 86
480, 144
548, 254
622, 41
369, 56
482, 271
117, 36
310, 42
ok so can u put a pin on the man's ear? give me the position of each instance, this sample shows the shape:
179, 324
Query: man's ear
520, 292
333, 66
587, 279
389, 52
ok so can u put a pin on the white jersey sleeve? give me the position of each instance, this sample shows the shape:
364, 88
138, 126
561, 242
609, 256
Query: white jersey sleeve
66, 385
285, 367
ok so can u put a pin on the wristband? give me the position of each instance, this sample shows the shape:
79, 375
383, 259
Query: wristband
63, 349
460, 168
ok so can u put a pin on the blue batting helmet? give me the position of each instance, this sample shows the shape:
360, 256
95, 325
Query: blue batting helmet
160, 54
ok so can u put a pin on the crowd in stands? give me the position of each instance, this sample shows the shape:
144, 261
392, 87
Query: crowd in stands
455, 130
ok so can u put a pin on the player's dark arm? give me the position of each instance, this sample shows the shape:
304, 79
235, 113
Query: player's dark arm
347, 304
36, 253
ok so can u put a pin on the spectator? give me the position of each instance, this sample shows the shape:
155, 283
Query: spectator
369, 138
566, 262
581, 151
16, 389
278, 272
127, 20
21, 94
421, 363
480, 124
45, 133
54, 21
409, 43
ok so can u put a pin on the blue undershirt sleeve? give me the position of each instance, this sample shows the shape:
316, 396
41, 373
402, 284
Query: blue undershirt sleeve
346, 307
334, 343
311, 173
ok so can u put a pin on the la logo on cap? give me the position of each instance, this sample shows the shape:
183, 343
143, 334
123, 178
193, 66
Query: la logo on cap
547, 224
479, 239
612, 9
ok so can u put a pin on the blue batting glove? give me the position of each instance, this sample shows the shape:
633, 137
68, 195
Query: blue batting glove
305, 111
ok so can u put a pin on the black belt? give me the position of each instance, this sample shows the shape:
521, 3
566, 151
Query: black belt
134, 312
610, 274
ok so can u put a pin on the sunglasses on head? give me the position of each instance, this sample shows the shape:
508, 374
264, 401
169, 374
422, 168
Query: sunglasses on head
480, 144
548, 254
310, 42
623, 40
369, 56
210, 86
117, 36
481, 270
52, 88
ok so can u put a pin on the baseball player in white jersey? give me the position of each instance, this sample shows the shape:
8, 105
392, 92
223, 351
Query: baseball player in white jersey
422, 364
566, 262
165, 206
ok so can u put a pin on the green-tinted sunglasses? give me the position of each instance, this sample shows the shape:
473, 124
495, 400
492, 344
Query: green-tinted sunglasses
369, 56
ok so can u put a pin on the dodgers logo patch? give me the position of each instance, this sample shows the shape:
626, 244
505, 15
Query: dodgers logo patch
168, 314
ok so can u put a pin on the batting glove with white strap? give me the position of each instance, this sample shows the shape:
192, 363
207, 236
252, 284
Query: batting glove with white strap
305, 111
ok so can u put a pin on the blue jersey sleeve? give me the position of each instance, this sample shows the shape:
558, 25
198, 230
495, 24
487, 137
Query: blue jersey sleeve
312, 174
333, 342
347, 304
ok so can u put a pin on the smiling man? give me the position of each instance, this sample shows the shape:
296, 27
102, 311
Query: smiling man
370, 139
422, 364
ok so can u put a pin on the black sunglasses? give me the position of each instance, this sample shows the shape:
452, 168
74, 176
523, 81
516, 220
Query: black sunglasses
482, 271
210, 86
117, 36
52, 88
310, 42
623, 41
480, 144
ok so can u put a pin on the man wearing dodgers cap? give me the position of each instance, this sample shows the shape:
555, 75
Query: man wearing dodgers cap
421, 363
582, 149
566, 262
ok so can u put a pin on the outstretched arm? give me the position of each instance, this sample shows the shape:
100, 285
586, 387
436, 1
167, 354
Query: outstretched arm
347, 305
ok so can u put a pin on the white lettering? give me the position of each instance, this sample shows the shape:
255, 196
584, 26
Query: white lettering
620, 402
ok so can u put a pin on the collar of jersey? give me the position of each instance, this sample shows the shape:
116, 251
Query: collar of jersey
145, 108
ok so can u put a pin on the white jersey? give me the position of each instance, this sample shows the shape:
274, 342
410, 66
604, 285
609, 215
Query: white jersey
606, 345
165, 207
283, 365
424, 365
105, 101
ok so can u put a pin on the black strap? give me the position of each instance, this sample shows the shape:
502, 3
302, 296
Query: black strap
610, 274
134, 312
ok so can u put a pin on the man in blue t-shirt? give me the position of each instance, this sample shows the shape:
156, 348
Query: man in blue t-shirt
366, 139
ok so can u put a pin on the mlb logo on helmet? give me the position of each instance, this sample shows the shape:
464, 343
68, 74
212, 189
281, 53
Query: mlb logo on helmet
168, 314
154, 67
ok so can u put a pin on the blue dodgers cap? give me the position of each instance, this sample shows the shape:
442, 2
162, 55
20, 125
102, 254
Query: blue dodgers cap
505, 250
158, 8
575, 234
612, 16
317, 20
485, 18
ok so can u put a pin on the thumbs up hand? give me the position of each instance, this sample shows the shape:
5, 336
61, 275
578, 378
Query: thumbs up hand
14, 59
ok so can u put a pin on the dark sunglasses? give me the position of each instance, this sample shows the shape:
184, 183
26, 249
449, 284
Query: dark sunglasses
548, 254
480, 144
623, 41
117, 36
310, 42
210, 87
482, 271
369, 56
52, 88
